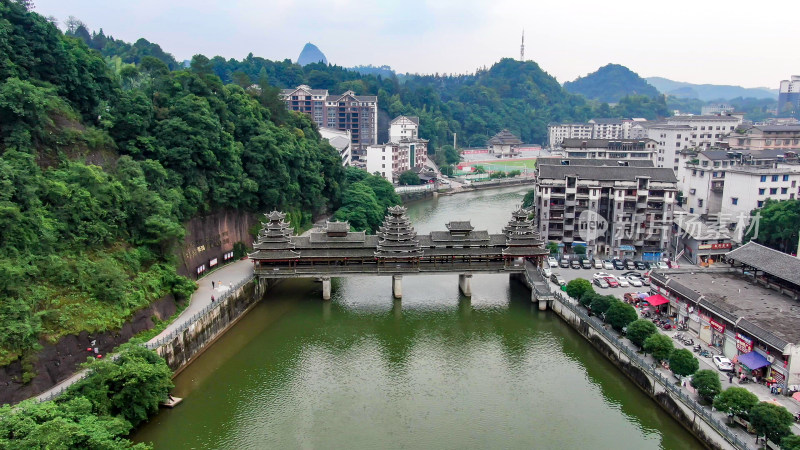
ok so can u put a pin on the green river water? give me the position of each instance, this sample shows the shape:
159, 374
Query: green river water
436, 370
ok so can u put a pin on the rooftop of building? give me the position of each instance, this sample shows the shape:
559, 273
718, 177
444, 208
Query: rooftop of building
716, 155
608, 173
504, 137
606, 120
660, 125
595, 162
735, 295
600, 143
701, 117
778, 128
698, 230
414, 119
773, 262
761, 170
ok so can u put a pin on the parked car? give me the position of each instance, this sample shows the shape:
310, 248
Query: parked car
558, 279
724, 364
564, 264
552, 261
661, 265
601, 275
608, 265
586, 264
599, 282
575, 264
629, 264
634, 281
631, 272
645, 280
598, 263
547, 272
623, 282
619, 265
648, 265
639, 265
612, 282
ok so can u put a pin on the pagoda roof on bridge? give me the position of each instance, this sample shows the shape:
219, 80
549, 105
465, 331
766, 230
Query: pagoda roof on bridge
446, 236
321, 237
459, 225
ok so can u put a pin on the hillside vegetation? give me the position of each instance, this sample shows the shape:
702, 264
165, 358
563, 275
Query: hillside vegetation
610, 84
102, 163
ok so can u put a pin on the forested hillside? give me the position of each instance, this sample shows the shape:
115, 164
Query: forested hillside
101, 163
611, 83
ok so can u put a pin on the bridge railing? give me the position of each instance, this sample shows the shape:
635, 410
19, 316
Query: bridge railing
633, 357
158, 342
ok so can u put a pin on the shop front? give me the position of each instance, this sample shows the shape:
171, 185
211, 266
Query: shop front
705, 329
717, 333
753, 365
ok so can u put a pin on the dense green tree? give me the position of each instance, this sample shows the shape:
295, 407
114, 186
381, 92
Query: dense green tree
735, 401
575, 288
639, 330
776, 227
658, 345
770, 420
588, 297
620, 314
579, 250
790, 442
705, 381
601, 303
682, 362
408, 178
552, 247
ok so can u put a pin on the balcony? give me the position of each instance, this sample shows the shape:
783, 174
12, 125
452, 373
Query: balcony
570, 203
556, 207
557, 217
655, 206
569, 227
718, 186
567, 239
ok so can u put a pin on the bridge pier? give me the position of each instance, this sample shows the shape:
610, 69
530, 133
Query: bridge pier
397, 286
326, 288
465, 284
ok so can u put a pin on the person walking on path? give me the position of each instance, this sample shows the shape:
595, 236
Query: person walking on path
212, 299
730, 377
212, 284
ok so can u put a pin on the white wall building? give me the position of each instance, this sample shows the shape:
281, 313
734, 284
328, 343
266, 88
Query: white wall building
404, 127
341, 140
393, 158
614, 149
670, 140
707, 131
557, 132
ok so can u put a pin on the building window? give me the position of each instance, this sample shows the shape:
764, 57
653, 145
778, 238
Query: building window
734, 200
786, 178
763, 178
784, 191
700, 202
761, 191
774, 178
760, 203
773, 191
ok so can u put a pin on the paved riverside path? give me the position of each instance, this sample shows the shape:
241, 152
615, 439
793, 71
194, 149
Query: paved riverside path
224, 278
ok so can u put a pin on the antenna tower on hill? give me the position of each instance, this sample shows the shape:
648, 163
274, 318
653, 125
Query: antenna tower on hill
522, 47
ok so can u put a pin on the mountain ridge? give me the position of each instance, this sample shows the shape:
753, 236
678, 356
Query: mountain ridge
707, 91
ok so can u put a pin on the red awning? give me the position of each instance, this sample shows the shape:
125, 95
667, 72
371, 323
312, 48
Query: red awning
656, 300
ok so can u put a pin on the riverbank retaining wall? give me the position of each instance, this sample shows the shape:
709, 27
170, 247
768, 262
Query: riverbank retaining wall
197, 333
663, 390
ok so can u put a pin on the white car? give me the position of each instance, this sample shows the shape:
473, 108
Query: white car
623, 282
552, 261
608, 265
598, 264
601, 275
634, 281
547, 272
661, 265
724, 364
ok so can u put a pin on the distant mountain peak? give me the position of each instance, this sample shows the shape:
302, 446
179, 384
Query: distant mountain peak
311, 54
610, 83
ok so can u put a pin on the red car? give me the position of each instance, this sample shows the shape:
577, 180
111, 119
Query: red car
612, 282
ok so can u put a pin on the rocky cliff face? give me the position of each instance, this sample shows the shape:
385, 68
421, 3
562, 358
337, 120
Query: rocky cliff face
311, 54
209, 238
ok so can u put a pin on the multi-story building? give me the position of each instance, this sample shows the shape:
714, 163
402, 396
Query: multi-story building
605, 128
347, 112
623, 210
404, 127
766, 137
716, 108
707, 131
700, 242
557, 132
614, 149
341, 141
789, 97
727, 185
669, 139
394, 158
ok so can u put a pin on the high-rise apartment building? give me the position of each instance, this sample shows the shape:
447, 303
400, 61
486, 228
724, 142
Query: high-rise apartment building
789, 97
347, 112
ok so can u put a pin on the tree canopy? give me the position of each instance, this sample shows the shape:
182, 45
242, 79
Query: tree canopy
620, 314
777, 226
735, 400
772, 421
640, 330
682, 362
659, 345
705, 381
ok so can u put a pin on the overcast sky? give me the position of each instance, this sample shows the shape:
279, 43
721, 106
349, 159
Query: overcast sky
739, 42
